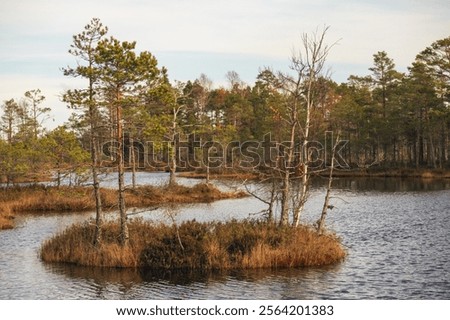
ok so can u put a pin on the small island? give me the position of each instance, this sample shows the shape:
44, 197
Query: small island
195, 246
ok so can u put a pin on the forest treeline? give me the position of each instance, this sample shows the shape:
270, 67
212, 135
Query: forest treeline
389, 119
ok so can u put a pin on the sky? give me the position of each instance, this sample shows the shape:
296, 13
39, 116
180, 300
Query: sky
191, 37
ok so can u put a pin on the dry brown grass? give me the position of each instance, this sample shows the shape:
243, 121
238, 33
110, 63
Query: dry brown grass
50, 199
261, 245
74, 245
6, 218
229, 175
41, 199
196, 246
201, 192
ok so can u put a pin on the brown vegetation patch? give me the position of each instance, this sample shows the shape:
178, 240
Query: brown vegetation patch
202, 192
201, 174
6, 218
41, 199
196, 246
50, 199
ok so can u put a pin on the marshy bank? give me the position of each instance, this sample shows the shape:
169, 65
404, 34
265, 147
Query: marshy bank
195, 246
42, 199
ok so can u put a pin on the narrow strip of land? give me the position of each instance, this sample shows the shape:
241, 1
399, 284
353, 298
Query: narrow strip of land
31, 199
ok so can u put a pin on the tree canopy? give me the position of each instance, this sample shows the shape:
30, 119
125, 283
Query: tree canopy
390, 119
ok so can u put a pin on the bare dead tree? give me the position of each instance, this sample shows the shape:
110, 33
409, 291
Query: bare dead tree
267, 194
326, 202
177, 105
310, 63
298, 99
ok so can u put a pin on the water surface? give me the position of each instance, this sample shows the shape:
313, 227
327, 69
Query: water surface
396, 232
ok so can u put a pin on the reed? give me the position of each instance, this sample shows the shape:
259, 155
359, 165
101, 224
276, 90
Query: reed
196, 246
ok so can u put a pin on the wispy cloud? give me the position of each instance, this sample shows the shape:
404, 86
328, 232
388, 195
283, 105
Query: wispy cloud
266, 28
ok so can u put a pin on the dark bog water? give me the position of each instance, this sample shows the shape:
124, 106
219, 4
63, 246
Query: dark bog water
397, 233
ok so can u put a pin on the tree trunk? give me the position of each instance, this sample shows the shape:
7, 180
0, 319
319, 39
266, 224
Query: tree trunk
173, 152
94, 164
326, 202
173, 168
58, 177
98, 204
124, 236
431, 152
273, 193
305, 178
133, 164
303, 196
285, 190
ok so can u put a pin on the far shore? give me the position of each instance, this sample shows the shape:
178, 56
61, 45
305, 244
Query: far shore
341, 173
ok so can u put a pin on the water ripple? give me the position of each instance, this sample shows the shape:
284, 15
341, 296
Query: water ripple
397, 243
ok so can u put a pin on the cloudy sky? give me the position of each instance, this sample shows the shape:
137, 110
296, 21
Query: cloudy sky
191, 37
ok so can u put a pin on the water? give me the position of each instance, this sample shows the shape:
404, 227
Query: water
396, 233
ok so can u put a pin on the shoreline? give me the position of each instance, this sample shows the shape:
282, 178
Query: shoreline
337, 173
394, 173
